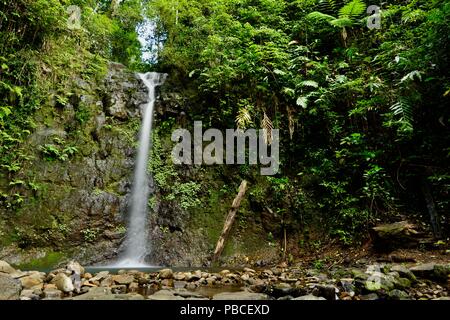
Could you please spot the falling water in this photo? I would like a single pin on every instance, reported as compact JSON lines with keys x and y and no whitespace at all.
{"x":136,"y":242}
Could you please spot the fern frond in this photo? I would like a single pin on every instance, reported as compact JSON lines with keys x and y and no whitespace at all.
{"x":303,"y":102}
{"x":327,"y":5}
{"x":267,"y":126}
{"x":243,"y":119}
{"x":319,"y":16}
{"x":352,"y":9}
{"x":405,"y":110}
{"x":342,"y":22}
{"x":410,"y":76}
{"x":309,"y":83}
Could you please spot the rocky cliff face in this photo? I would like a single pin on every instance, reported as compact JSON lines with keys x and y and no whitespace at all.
{"x":77,"y":181}
{"x":82,"y":162}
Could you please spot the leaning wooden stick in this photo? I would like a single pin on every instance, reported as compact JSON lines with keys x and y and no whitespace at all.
{"x":229,"y":221}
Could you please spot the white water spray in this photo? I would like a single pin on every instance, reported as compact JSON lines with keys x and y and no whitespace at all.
{"x":136,"y":242}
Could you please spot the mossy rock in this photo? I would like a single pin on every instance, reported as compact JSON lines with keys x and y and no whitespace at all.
{"x":50,"y":260}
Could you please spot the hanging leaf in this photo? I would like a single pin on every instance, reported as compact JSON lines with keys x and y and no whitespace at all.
{"x":303,"y":102}
{"x":267,"y":126}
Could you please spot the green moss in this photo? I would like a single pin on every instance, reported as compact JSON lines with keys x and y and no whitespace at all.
{"x":50,"y":260}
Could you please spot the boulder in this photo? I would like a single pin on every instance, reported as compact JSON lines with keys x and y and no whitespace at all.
{"x":432,"y":271}
{"x":223,"y":273}
{"x":402,"y":283}
{"x":165,"y":295}
{"x":6,"y":268}
{"x":9,"y":287}
{"x":379,"y":281}
{"x":371,"y":296}
{"x":166,"y":274}
{"x":398,"y":295}
{"x":326,"y":291}
{"x":28,"y":295}
{"x":123,"y":279}
{"x":310,"y":297}
{"x":107,"y":281}
{"x":33,"y":280}
{"x":75,"y":267}
{"x":53,"y":294}
{"x":395,"y":235}
{"x":282,"y":289}
{"x":133,"y":287}
{"x":248,"y":270}
{"x":187,"y":294}
{"x":76,"y":280}
{"x":63,"y":283}
{"x":242,"y":295}
{"x":94,"y":293}
{"x":348,"y":285}
{"x":106,"y":294}
{"x":404,"y":272}
{"x":245,"y":277}
{"x":99,"y":276}
{"x":179,"y":276}
{"x":119,"y":289}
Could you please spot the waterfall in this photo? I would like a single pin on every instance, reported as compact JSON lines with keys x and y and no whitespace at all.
{"x":136,"y":242}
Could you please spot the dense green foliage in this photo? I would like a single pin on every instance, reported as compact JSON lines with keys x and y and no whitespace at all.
{"x":47,"y":56}
{"x":363,"y":112}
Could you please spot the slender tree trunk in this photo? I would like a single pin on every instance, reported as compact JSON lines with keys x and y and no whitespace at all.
{"x":229,"y":221}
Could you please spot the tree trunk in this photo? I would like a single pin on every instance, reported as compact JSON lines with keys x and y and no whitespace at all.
{"x":229,"y":221}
